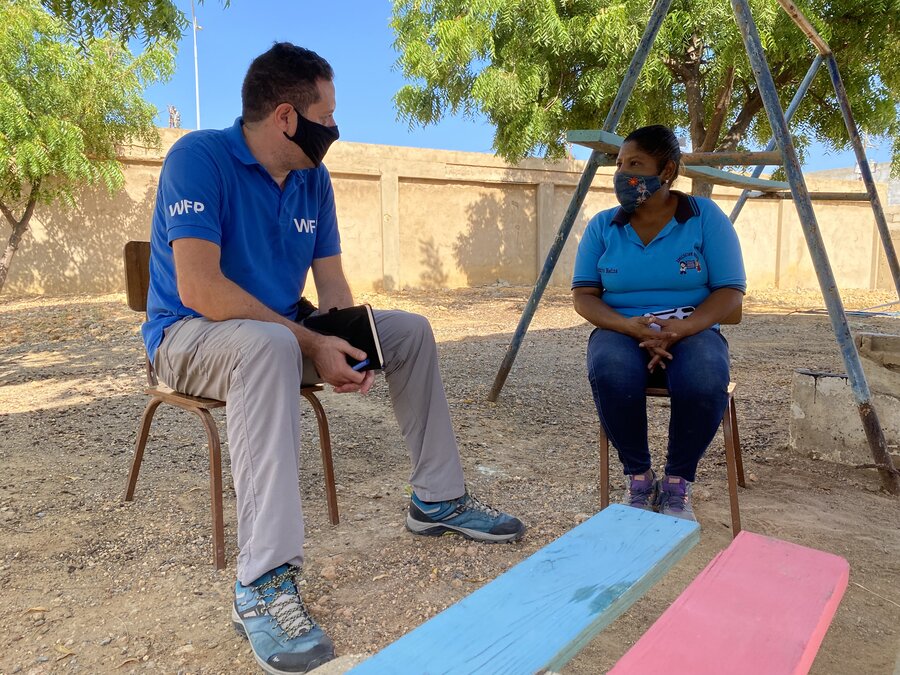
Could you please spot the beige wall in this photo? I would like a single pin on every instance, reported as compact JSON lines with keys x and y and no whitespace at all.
{"x":430,"y":218}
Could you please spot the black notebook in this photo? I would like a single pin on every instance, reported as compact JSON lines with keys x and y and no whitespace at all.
{"x":356,"y":325}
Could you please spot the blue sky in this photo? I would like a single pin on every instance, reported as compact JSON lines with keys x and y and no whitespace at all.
{"x":355,"y":37}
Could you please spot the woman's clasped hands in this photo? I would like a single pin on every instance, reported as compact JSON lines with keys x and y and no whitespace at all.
{"x":657,"y":336}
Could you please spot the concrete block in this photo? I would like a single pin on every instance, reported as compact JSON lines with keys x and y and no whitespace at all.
{"x":880,"y":356}
{"x":825,"y":420}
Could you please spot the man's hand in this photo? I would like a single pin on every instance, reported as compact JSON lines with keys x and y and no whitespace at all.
{"x":368,"y":381}
{"x":329,"y":354}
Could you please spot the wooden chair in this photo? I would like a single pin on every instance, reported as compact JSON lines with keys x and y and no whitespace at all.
{"x":733,"y":462}
{"x":137,"y":283}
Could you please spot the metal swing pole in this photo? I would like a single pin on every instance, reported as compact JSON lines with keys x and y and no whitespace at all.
{"x":660,"y":9}
{"x":874,"y":433}
{"x":865,"y":171}
{"x":852,"y":130}
{"x":789,"y":113}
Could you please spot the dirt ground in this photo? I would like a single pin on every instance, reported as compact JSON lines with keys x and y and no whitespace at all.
{"x":91,"y":584}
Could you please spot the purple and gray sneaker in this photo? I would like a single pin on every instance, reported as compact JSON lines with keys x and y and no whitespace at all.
{"x":642,"y":490}
{"x":675,"y":497}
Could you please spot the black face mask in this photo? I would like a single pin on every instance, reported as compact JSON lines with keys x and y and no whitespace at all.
{"x":314,"y":139}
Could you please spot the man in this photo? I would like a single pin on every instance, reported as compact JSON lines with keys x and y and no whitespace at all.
{"x":241,"y":216}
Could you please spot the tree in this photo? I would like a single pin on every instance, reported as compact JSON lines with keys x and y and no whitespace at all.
{"x":537,"y":68}
{"x":64,"y":110}
{"x":147,"y":20}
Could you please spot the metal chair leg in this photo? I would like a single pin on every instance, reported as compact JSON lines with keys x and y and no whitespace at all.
{"x":140,"y":444}
{"x":215,"y":485}
{"x":327,"y":463}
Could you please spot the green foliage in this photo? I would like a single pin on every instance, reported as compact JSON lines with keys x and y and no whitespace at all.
{"x":149,"y":20}
{"x":537,"y":68}
{"x":64,"y":109}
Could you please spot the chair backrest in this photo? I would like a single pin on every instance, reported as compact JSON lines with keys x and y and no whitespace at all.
{"x":137,"y":274}
{"x":137,"y":284}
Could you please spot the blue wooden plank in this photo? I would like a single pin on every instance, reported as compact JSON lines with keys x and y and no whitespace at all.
{"x":737,"y":180}
{"x":597,"y":139}
{"x":544,"y":610}
{"x":605,"y":141}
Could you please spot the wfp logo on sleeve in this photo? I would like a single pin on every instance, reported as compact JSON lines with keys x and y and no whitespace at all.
{"x":305,"y":225}
{"x":185,"y":206}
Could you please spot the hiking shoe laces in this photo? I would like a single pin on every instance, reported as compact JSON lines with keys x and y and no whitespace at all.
{"x":466,"y":515}
{"x":287,"y":609}
{"x":476,"y":504}
{"x":283,"y":636}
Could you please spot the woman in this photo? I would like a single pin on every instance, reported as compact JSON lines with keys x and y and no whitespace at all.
{"x":678,"y":256}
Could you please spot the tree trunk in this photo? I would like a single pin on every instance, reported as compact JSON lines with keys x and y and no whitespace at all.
{"x":19,"y":228}
{"x":701,"y":188}
{"x":690,"y":73}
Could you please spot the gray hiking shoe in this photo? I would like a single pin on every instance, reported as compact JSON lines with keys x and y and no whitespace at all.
{"x":642,"y":490}
{"x":466,"y":515}
{"x":675,"y":497}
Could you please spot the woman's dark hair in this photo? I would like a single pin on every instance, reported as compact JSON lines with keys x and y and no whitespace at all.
{"x":284,"y":74}
{"x":659,"y":142}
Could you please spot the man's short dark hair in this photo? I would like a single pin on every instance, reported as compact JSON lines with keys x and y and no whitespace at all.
{"x":284,"y":74}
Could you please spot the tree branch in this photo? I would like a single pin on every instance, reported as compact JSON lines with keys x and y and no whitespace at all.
{"x":4,"y":209}
{"x":719,"y":112}
{"x":737,"y":130}
{"x":693,"y":93}
{"x":752,"y":105}
{"x":19,"y":229}
{"x":675,"y":66}
{"x":32,"y":201}
{"x":29,"y":207}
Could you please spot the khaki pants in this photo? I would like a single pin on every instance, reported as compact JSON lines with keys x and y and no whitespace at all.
{"x":257,"y":368}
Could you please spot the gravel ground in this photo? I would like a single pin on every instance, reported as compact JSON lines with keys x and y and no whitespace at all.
{"x":91,"y":584}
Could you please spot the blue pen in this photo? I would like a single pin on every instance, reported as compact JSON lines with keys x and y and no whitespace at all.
{"x":362,"y":364}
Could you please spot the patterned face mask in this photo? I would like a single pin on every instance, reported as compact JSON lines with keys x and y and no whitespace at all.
{"x":633,"y":190}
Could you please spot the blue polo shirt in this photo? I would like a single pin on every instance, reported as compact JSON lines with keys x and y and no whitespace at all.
{"x":212,"y":187}
{"x":696,"y":253}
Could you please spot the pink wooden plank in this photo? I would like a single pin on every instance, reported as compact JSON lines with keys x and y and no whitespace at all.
{"x":761,"y":606}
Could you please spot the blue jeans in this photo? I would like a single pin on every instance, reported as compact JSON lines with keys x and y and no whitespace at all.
{"x":697,"y":378}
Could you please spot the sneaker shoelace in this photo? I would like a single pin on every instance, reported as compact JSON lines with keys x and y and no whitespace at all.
{"x":473,"y":503}
{"x":638,"y":496}
{"x":677,"y":501}
{"x":287,"y":608}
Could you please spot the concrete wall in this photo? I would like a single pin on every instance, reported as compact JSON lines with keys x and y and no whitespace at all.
{"x":881,"y":172}
{"x":430,"y":218}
